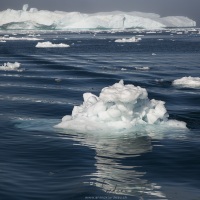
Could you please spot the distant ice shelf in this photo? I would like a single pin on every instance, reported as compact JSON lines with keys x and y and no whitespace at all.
{"x":57,"y":20}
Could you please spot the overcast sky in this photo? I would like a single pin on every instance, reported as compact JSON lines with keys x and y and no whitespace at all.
{"x":189,"y":8}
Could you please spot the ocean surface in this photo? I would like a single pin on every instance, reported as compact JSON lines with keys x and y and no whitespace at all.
{"x":40,"y":162}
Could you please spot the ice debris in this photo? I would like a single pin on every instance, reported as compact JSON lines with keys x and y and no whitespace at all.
{"x":10,"y":66}
{"x":142,"y":68}
{"x":50,"y":45}
{"x":187,"y":82}
{"x":132,"y":39}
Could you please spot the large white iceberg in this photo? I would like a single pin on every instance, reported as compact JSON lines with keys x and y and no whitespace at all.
{"x":119,"y":108}
{"x":43,"y":19}
{"x":187,"y":82}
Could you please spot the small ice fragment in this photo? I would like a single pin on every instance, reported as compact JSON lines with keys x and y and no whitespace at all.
{"x":50,"y":45}
{"x":57,"y":79}
{"x":10,"y":66}
{"x":132,"y":39}
{"x":187,"y":82}
{"x":142,"y":68}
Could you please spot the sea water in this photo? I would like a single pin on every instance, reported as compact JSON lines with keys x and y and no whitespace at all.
{"x":38,"y":161}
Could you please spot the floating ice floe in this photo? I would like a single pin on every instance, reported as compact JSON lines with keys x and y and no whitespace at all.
{"x":10,"y":66}
{"x":2,"y":41}
{"x":119,"y":108}
{"x":187,"y":82}
{"x":50,"y":45}
{"x":19,"y":38}
{"x":132,"y":39}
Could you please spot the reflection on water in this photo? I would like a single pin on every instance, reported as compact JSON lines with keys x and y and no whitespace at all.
{"x":111,"y":175}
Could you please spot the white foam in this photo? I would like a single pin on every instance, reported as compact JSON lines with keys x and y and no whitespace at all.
{"x":187,"y":82}
{"x":119,"y":108}
{"x":132,"y":39}
{"x":50,"y":45}
{"x":10,"y":66}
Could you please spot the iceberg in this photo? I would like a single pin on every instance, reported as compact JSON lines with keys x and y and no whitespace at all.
{"x":119,"y":108}
{"x":10,"y":66}
{"x":44,"y":19}
{"x":50,"y":45}
{"x":187,"y":82}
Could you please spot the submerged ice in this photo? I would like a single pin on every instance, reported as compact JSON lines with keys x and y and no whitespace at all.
{"x":119,"y":108}
{"x":43,"y":19}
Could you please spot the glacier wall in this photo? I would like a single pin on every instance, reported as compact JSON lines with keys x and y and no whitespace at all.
{"x":42,"y":19}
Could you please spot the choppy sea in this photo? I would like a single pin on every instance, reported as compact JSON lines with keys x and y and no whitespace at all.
{"x":40,"y":162}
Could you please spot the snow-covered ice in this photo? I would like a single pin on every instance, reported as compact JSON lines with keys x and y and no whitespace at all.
{"x":50,"y":45}
{"x":187,"y":82}
{"x":10,"y":66}
{"x":119,"y":108}
{"x":132,"y":39}
{"x":44,"y":19}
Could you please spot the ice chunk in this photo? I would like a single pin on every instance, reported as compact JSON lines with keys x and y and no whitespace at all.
{"x":142,"y":68}
{"x":187,"y":82}
{"x":119,"y":108}
{"x":50,"y":45}
{"x":132,"y":39}
{"x":10,"y":66}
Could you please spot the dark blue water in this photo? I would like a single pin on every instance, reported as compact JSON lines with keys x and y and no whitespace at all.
{"x":38,"y":162}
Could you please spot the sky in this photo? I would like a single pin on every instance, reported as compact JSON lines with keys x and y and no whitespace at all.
{"x":189,"y":8}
